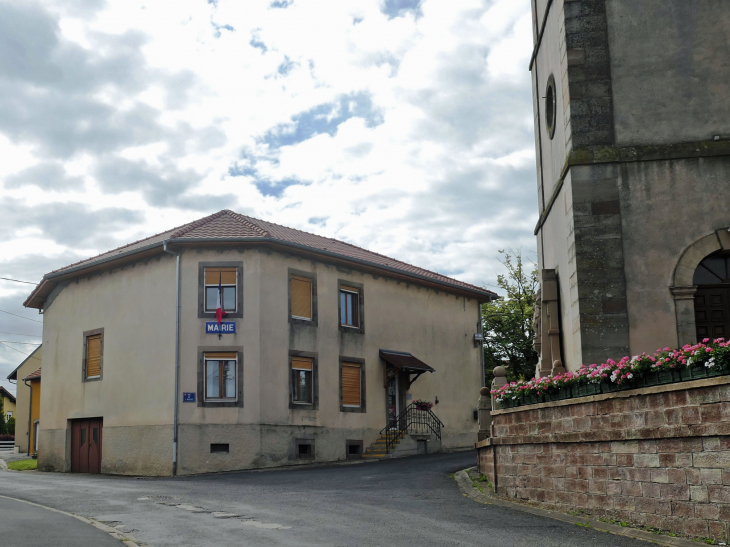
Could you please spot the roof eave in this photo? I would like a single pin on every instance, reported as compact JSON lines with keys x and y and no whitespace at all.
{"x":481,"y":295}
{"x":37,"y":298}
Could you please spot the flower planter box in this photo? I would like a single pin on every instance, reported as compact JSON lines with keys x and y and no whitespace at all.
{"x":509,"y":403}
{"x":584,"y":390}
{"x":610,"y":387}
{"x":532,"y":399}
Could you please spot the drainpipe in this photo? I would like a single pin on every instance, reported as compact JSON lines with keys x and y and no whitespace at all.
{"x":30,"y":411}
{"x":480,"y":327}
{"x":177,"y":355}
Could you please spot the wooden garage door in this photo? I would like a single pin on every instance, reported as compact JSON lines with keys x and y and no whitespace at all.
{"x":712,"y":312}
{"x":86,"y":446}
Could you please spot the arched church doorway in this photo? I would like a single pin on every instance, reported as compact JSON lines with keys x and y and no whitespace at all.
{"x":712,"y":299}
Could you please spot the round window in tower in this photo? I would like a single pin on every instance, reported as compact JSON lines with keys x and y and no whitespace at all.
{"x":550,"y":106}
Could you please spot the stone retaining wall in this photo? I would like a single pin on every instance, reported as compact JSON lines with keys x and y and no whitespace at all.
{"x":657,"y":456}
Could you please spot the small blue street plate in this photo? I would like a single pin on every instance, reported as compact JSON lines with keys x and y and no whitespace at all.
{"x":188,"y":397}
{"x":226,"y":327}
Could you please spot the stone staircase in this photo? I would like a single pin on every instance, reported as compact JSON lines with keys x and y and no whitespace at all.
{"x":377,"y":449}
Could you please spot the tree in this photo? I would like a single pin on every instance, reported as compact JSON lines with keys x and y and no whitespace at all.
{"x":507,"y":322}
{"x":10,"y":426}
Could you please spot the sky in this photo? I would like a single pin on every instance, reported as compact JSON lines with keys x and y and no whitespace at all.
{"x":401,"y":126}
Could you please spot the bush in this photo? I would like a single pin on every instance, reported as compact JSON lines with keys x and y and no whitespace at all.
{"x":7,"y":437}
{"x":11,"y":425}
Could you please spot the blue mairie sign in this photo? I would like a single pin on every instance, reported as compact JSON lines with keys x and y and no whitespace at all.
{"x":188,"y":397}
{"x":226,"y":327}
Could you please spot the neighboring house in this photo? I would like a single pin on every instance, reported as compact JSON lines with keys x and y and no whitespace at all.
{"x":8,"y":403}
{"x":322,"y":345}
{"x":23,"y":395}
{"x":33,"y":381}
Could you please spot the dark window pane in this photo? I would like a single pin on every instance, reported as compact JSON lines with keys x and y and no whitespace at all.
{"x":229,"y":376}
{"x":302,"y":386}
{"x":343,"y":308}
{"x":212,"y":382}
{"x":211,"y":298}
{"x":229,"y":299}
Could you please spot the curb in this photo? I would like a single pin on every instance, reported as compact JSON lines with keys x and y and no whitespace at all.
{"x":113,"y":532}
{"x":469,"y":491}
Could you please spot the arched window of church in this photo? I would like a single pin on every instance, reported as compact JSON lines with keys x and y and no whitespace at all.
{"x":712,"y":299}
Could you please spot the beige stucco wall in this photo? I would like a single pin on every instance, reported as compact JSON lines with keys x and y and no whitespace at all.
{"x":436,"y":327}
{"x":136,"y":308}
{"x":22,"y":399}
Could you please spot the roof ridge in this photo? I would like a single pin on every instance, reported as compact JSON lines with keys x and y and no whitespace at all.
{"x":246,"y":220}
{"x":355,"y":247}
{"x":185,"y":228}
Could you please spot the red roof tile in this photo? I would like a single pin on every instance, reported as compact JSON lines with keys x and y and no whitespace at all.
{"x":35,"y":374}
{"x":227,"y":224}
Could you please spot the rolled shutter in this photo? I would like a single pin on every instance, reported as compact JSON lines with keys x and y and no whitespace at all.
{"x":301,"y":297}
{"x":227,"y":276}
{"x":350,"y":384}
{"x":300,"y":363}
{"x":93,"y":356}
{"x":222,"y":356}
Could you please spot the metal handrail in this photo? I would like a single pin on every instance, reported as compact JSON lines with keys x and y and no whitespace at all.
{"x":410,"y":420}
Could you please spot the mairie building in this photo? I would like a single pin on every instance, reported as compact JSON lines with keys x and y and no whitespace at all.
{"x":323,"y":350}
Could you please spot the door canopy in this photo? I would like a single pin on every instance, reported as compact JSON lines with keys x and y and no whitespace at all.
{"x":400,"y":361}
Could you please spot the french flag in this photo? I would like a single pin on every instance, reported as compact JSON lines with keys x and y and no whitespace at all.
{"x":219,"y":313}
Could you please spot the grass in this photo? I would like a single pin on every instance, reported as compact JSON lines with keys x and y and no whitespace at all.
{"x":23,"y":465}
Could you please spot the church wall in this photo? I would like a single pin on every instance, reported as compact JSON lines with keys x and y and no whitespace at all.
{"x":670,"y":69}
{"x":665,"y":207}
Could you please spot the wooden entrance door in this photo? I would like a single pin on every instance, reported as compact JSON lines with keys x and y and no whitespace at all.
{"x":712,"y":312}
{"x":86,"y":446}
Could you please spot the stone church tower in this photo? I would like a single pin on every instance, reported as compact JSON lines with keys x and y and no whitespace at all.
{"x":632,"y":126}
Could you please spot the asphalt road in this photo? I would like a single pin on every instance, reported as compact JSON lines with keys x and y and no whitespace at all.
{"x":20,"y":526}
{"x":409,"y":501}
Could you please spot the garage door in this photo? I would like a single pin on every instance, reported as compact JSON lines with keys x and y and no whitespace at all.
{"x":86,"y":446}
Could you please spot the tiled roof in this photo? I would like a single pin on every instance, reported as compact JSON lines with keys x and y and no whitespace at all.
{"x":35,"y":374}
{"x":227,"y":224}
{"x":5,"y":393}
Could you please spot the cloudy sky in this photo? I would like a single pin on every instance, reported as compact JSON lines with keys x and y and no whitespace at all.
{"x":402,"y":126}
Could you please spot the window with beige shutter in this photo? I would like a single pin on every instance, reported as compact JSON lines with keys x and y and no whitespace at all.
{"x":227,"y":280}
{"x":302,"y":369}
{"x":93,"y":356}
{"x":220,"y":376}
{"x":301,"y":297}
{"x":351,"y":385}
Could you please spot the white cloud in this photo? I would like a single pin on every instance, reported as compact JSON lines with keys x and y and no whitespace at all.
{"x":408,"y":133}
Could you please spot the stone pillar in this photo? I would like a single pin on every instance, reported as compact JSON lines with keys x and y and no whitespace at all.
{"x":500,"y":379}
{"x":551,"y":361}
{"x":684,"y":305}
{"x":485,"y":416}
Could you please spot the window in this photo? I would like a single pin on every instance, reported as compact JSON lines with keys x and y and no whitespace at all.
{"x":304,"y":449}
{"x":9,"y":415}
{"x":301,"y":297}
{"x":351,"y":385}
{"x":349,"y":306}
{"x":229,"y":274}
{"x":93,"y":354}
{"x":302,"y":369}
{"x":550,"y":106}
{"x":219,"y":448}
{"x":225,"y":280}
{"x":353,"y":449}
{"x":220,"y":376}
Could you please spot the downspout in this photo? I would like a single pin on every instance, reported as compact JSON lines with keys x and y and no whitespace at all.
{"x":177,"y":356}
{"x":30,"y":411}
{"x":480,"y":323}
